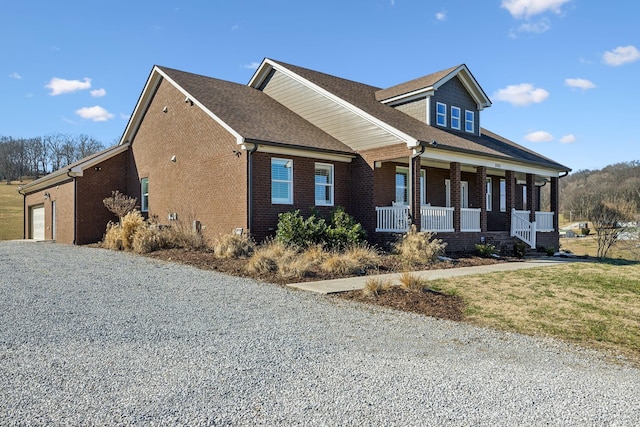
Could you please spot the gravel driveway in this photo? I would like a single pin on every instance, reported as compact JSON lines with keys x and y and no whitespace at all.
{"x":89,"y":336}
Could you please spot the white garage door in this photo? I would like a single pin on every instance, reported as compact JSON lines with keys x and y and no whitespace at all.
{"x":37,"y":223}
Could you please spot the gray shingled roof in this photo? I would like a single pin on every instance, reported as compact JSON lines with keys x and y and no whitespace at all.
{"x":413,"y":85}
{"x":363,"y":97}
{"x":253,"y":114}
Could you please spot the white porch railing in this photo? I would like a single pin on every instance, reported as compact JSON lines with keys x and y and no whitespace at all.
{"x":470,"y":219}
{"x":522,"y":228}
{"x":544,"y":221}
{"x":437,"y":219}
{"x":392,"y":219}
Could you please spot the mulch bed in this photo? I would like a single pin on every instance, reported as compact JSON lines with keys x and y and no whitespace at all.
{"x":427,"y":302}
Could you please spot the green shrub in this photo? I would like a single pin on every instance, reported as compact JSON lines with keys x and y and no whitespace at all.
{"x":551,"y":251}
{"x":294,"y":230}
{"x":485,"y":250}
{"x":585,"y":231}
{"x":342,"y":230}
{"x":519,"y":249}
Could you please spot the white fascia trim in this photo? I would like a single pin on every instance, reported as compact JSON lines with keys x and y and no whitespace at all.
{"x":286,"y":151}
{"x":407,"y":97}
{"x":499,"y":164}
{"x":411,"y":142}
{"x":239,"y":138}
{"x":66,"y":173}
{"x":143,"y":102}
{"x":258,"y":77}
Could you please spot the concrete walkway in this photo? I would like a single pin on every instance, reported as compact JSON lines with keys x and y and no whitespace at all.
{"x":353,"y":283}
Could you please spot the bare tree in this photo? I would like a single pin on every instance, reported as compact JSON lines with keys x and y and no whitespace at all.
{"x":607,"y":219}
{"x":120,"y":204}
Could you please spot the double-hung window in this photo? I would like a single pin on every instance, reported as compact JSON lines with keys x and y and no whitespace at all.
{"x":324,"y":184}
{"x":469,"y":121}
{"x":144,"y":191}
{"x":402,"y":186}
{"x":281,"y":181}
{"x":441,"y":114}
{"x":489,"y":194}
{"x":455,"y":118}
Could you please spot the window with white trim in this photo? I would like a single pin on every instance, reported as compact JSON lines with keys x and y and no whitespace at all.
{"x":503,"y":195}
{"x":469,"y":121}
{"x":455,"y":118}
{"x":441,"y":114}
{"x":281,"y":181}
{"x":402,"y":186}
{"x":144,"y":191}
{"x":489,"y":194}
{"x":464,"y":193}
{"x":324,"y":184}
{"x":524,"y":197}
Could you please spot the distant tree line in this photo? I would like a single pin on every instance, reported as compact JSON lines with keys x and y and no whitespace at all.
{"x":36,"y":157}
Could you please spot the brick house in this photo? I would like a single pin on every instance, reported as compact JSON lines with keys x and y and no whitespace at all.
{"x":233,"y":156}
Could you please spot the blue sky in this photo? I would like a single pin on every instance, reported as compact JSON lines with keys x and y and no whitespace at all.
{"x":562,"y":74}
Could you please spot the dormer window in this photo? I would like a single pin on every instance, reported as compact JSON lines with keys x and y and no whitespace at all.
{"x":469,"y":121}
{"x":441,"y":114}
{"x":455,"y":118}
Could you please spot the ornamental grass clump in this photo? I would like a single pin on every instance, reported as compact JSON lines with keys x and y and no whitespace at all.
{"x":416,"y":247}
{"x":233,"y":246}
{"x":411,"y":282}
{"x":375,"y":286}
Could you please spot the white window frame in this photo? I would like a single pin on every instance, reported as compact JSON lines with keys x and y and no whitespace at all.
{"x":455,"y":117}
{"x":423,"y":187}
{"x":441,"y":118}
{"x":287,"y":163}
{"x":489,"y":194}
{"x":331,"y":178}
{"x":144,"y":196}
{"x":469,"y":124}
{"x":503,"y":195}
{"x":464,"y":193}
{"x":524,"y":197}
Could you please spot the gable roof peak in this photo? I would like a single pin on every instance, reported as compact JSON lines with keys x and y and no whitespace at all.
{"x":430,"y":83}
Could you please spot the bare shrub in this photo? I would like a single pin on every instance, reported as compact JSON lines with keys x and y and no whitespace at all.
{"x":232,"y":246}
{"x":419,"y":247}
{"x":375,"y":286}
{"x":292,"y":265}
{"x":315,"y":255}
{"x":120,"y":204}
{"x":411,"y":282}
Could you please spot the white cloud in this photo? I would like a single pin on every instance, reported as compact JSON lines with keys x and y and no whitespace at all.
{"x":521,"y":95}
{"x":59,"y":86}
{"x":534,"y":27}
{"x":527,"y":8}
{"x":621,"y":55}
{"x":568,"y":139}
{"x":441,"y":16}
{"x":97,"y":93}
{"x":252,"y":66}
{"x":95,"y":113}
{"x":15,"y":75}
{"x":235,"y":27}
{"x":539,"y":136}
{"x":125,"y":116}
{"x":579,"y":83}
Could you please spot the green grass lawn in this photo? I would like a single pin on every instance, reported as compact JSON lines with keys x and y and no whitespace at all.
{"x":10,"y":211}
{"x":593,"y":304}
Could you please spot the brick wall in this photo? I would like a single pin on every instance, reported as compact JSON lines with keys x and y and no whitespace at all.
{"x":265,"y":213}
{"x":208,"y":179}
{"x":93,"y":187}
{"x":62,"y":194}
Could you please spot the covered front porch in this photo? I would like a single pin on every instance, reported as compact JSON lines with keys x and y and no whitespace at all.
{"x":453,"y":197}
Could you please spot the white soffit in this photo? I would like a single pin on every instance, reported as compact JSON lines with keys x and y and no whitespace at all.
{"x":340,"y":119}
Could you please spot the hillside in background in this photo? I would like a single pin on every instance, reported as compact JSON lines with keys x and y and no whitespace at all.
{"x":619,"y":182}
